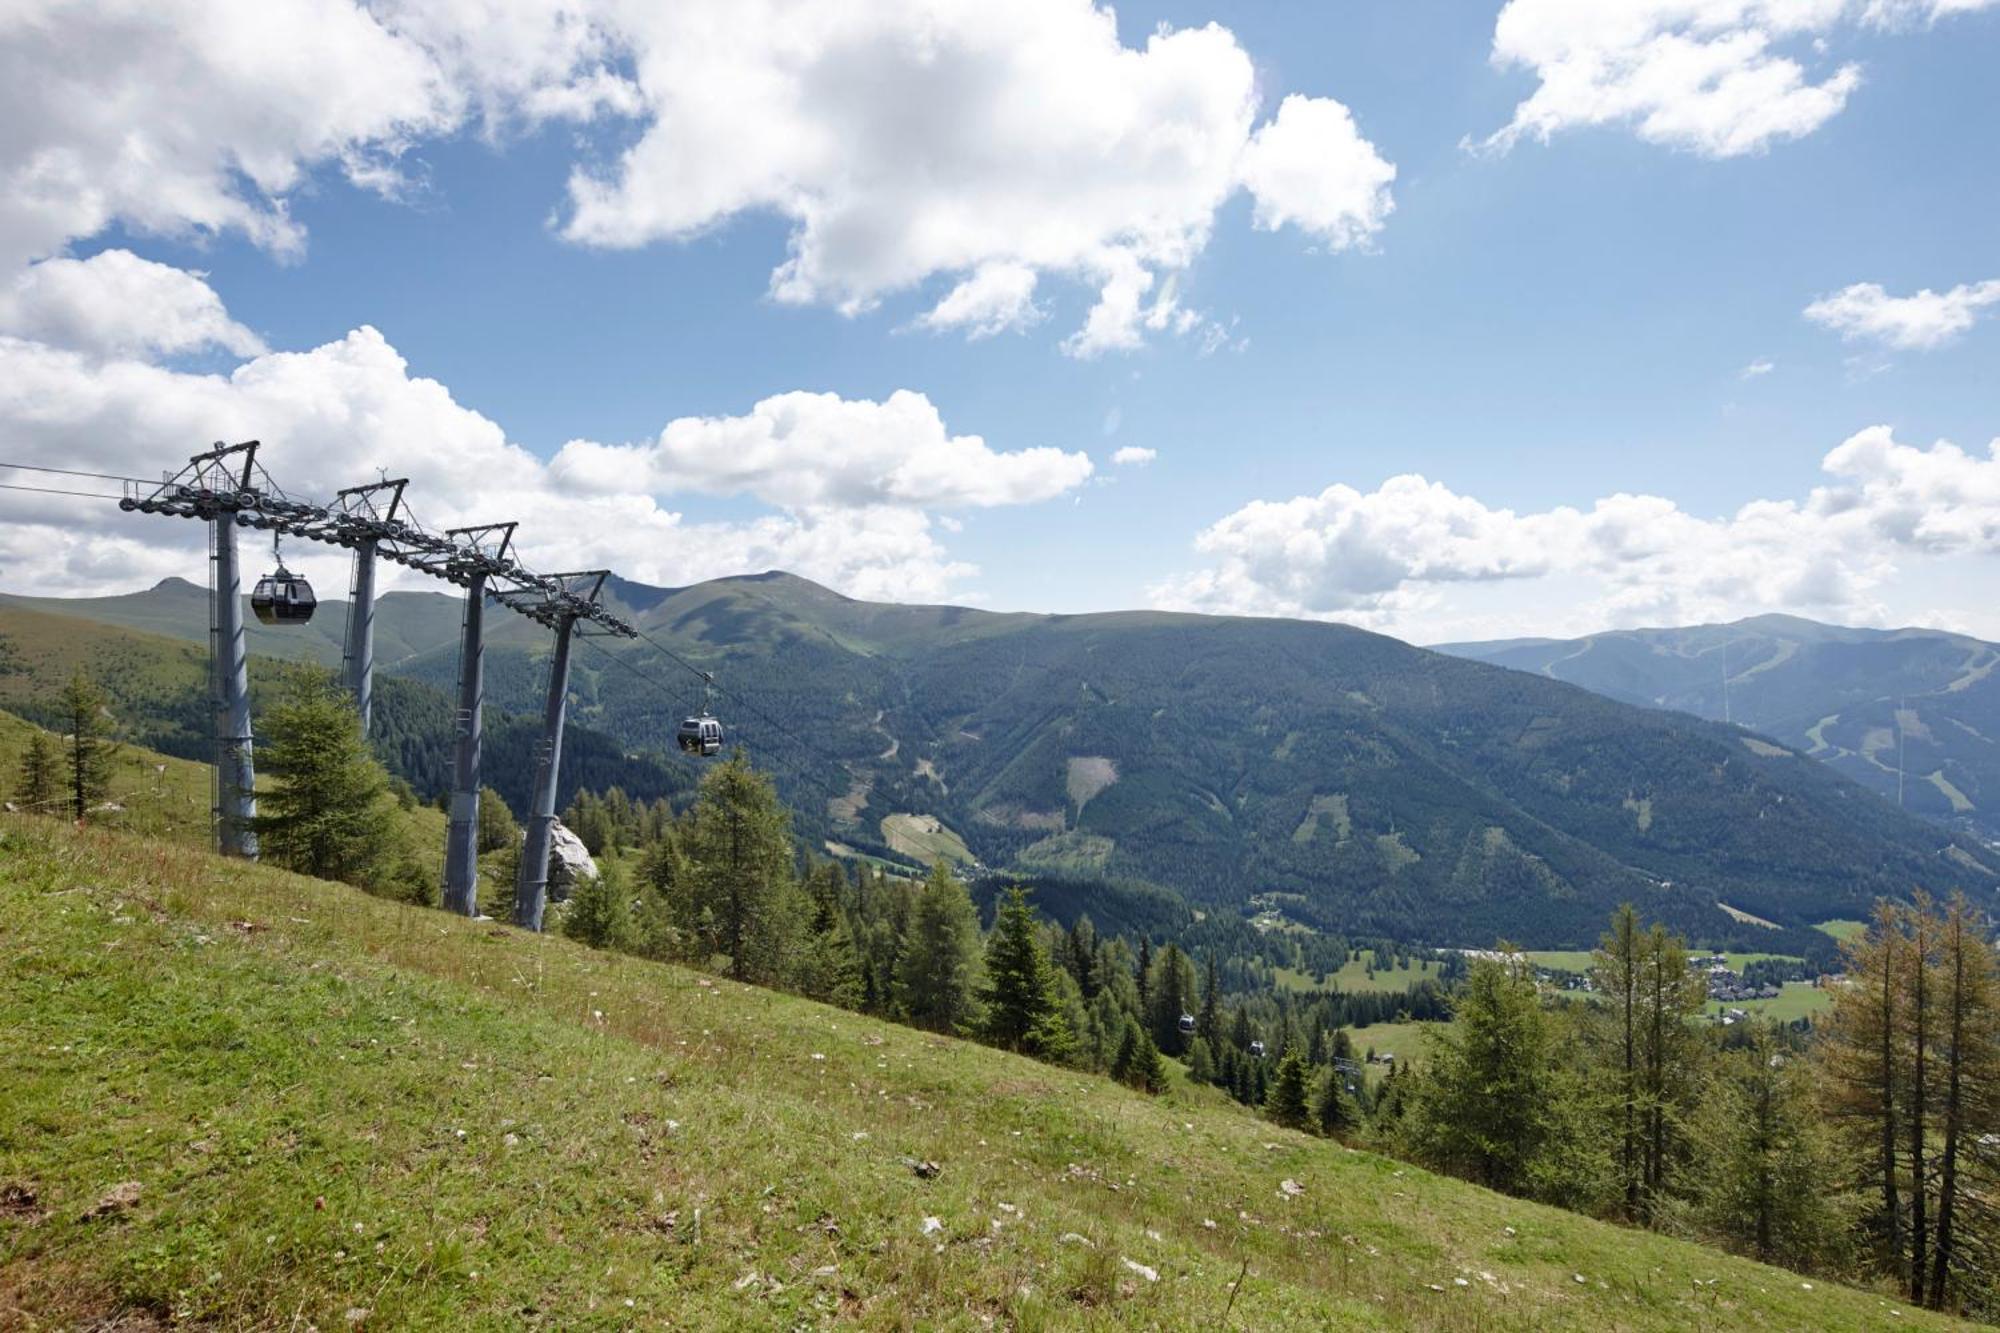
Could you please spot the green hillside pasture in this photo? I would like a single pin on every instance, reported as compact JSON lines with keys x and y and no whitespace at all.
{"x":244,"y":1099}
{"x":1355,"y":976}
{"x":159,"y":796}
{"x":1796,"y":1000}
{"x":150,"y":793}
{"x":1582,"y":960}
{"x":1843,"y":930}
{"x":923,"y":839}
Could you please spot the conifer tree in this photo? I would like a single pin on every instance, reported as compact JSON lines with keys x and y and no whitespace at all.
{"x":1201,"y":1060}
{"x":1172,"y":990}
{"x":1287,"y":1100}
{"x":831,"y":967}
{"x":1138,"y":1062}
{"x":1770,"y":1166}
{"x":1208,"y":1022}
{"x":329,"y":813}
{"x":1080,"y":955}
{"x":1863,"y":1057}
{"x":1672,"y":995}
{"x":38,"y":786}
{"x":599,"y":910}
{"x":1616,"y":966}
{"x":938,"y":980}
{"x":1969,"y":1038}
{"x":497,"y":829}
{"x":88,"y":745}
{"x":1481,"y":1107}
{"x":1019,"y":994}
{"x":741,"y":898}
{"x":1335,"y":1112}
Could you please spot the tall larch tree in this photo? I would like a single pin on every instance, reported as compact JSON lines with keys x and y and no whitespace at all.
{"x":1617,"y":979}
{"x":1969,"y":1045}
{"x":938,"y":976}
{"x":741,"y":893}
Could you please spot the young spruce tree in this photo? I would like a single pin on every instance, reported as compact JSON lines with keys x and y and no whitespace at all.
{"x":88,"y":744}
{"x":1286,"y":1099}
{"x":1023,"y":1006}
{"x":38,"y":787}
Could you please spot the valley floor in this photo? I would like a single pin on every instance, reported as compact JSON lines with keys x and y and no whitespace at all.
{"x":242,"y":1099}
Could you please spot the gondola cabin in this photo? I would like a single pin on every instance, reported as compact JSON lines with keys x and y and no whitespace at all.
{"x":700,"y":735}
{"x":1187,"y":1025}
{"x":283,"y":598}
{"x":1257,"y":1049}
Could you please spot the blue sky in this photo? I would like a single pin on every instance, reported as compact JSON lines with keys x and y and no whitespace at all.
{"x":1544,"y":324}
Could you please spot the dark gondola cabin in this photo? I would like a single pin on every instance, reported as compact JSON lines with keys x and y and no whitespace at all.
{"x":701,"y":735}
{"x":283,"y":598}
{"x":1187,"y":1025}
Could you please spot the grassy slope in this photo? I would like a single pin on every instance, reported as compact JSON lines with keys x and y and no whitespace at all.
{"x":1355,"y":975}
{"x":508,"y":1130}
{"x":159,"y":796}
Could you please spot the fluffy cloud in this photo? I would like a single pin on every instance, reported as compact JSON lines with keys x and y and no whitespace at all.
{"x":852,"y":484}
{"x":197,"y":116}
{"x":1134,"y":455}
{"x":1716,"y":77}
{"x":803,"y":450}
{"x":1310,"y":167}
{"x":1378,"y":557}
{"x":905,"y":142}
{"x":116,"y":303}
{"x":950,"y":138}
{"x":1914,"y":323}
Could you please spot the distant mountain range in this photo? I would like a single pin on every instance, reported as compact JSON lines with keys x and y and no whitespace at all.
{"x":1911,"y":714}
{"x":1307,"y":774}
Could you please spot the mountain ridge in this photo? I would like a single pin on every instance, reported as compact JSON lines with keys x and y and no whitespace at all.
{"x":1849,"y":696}
{"x":1365,"y":785}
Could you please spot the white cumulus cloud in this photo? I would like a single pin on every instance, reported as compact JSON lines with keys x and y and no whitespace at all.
{"x":1721,"y":78}
{"x":906,"y":143}
{"x":986,"y":144}
{"x":804,"y":449}
{"x":116,"y":303}
{"x":851,"y":487}
{"x":1915,"y":323}
{"x":197,"y":116}
{"x":1134,"y":455}
{"x":1309,"y":167}
{"x":1383,"y":556}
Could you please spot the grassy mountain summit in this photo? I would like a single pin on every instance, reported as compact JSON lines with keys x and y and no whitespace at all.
{"x":243,"y":1098}
{"x":1367,"y":785}
{"x":1912,"y":714}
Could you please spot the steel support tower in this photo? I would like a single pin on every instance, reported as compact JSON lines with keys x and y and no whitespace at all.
{"x":366,"y":523}
{"x":568,"y":611}
{"x":461,"y":847}
{"x":235,"y":773}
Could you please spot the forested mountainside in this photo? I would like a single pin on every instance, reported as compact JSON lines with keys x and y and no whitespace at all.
{"x":1911,"y":714}
{"x":1317,"y":772}
{"x":157,"y":687}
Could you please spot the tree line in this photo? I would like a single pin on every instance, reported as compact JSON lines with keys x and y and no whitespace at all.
{"x":1865,"y":1150}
